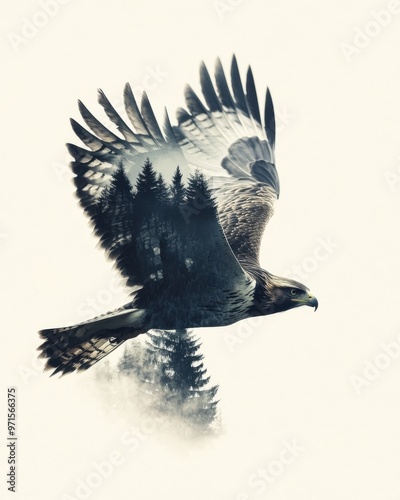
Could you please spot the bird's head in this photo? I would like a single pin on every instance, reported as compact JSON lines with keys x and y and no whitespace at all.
{"x":289,"y":294}
{"x":284,"y":294}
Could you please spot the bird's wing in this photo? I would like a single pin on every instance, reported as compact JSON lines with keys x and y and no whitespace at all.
{"x":94,"y":165}
{"x":227,"y":138}
{"x":156,"y":247}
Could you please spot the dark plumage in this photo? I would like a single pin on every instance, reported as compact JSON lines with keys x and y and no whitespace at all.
{"x":190,"y":253}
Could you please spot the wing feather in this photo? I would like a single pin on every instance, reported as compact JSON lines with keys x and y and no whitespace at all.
{"x":90,"y":140}
{"x":208,"y":90}
{"x":225,"y":96}
{"x":237,"y":87}
{"x":96,"y":126}
{"x":251,"y":98}
{"x":150,"y":120}
{"x":132,"y":110}
{"x":269,"y":119}
{"x":241,"y":100}
{"x":116,"y":119}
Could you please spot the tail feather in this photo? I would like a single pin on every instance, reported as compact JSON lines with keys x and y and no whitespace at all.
{"x":78,"y":347}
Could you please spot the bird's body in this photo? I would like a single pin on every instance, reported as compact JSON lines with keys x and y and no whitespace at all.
{"x":189,"y":252}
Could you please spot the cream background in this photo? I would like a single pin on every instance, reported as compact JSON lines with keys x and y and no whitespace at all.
{"x":290,"y":379}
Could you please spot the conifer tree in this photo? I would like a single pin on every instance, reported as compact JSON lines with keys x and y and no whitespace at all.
{"x":162,"y":192}
{"x":119,"y":193}
{"x":181,"y":379}
{"x":146,"y":184}
{"x":115,"y":208}
{"x":120,"y":182}
{"x":177,"y":188}
{"x":199,"y":199}
{"x":198,"y":193}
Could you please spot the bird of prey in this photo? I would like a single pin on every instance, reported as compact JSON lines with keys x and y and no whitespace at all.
{"x":187,"y":248}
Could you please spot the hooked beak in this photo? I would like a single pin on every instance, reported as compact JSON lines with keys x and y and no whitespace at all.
{"x":307,"y":299}
{"x":312,"y":302}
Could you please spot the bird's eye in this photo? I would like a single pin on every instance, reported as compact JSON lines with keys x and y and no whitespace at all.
{"x":293,"y":291}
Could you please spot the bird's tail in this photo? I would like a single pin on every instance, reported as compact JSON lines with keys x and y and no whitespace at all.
{"x":80,"y":346}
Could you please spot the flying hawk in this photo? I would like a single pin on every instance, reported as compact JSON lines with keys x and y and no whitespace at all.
{"x":188,"y":248}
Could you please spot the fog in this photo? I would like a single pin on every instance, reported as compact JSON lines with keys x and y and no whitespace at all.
{"x":309,"y":402}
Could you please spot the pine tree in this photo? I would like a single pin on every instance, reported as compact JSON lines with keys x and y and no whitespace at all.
{"x":115,"y":208}
{"x":118,"y":194}
{"x":177,"y":188}
{"x":146,"y":184}
{"x":198,"y":194}
{"x":152,"y":199}
{"x":162,"y":192}
{"x":199,"y":199}
{"x":120,"y":182}
{"x":169,"y":373}
{"x":181,"y":378}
